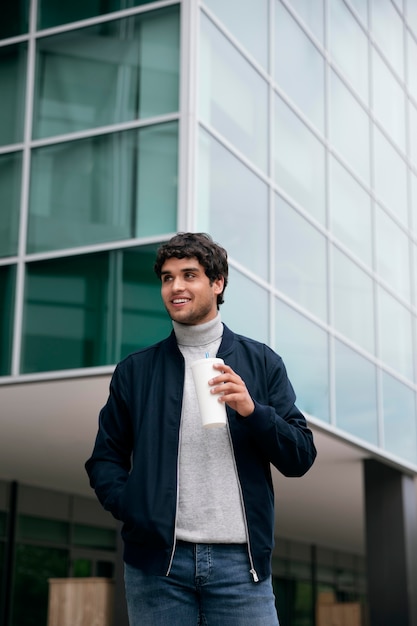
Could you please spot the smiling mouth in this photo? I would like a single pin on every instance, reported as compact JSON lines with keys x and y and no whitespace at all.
{"x":180,"y":301}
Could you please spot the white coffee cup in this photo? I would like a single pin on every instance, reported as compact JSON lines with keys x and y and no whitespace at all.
{"x":213,"y":412}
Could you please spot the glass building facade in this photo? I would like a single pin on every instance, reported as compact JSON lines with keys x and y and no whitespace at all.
{"x":286,"y":129}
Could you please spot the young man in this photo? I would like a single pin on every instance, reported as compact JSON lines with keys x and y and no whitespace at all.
{"x":197,"y":504}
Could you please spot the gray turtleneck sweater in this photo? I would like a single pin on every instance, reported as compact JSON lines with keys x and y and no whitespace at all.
{"x":209,"y":501}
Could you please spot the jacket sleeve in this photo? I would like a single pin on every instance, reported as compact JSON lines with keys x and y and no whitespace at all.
{"x":109,"y":465}
{"x":278,"y":426}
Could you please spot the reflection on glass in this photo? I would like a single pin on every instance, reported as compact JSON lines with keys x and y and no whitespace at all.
{"x":233,"y":96}
{"x":90,"y":310}
{"x":300,"y":260}
{"x":349,"y":128}
{"x":350,"y":212}
{"x":353,"y":301}
{"x":113,"y":72}
{"x":414,"y":252}
{"x":299,"y":67}
{"x":388,"y":101}
{"x":304,"y":348}
{"x":226,"y":209}
{"x":10,"y":183}
{"x":52,"y":13}
{"x":400,"y":418}
{"x":414,"y":203}
{"x":387,"y":28}
{"x":66,"y":316}
{"x":13,"y":82}
{"x":349,"y":46}
{"x":7,"y":292}
{"x":104,"y":188}
{"x":251,"y":29}
{"x":299,"y":166}
{"x":355,"y":394}
{"x":235,"y":311}
{"x":390,"y":177}
{"x":395,"y":334}
{"x":412,"y":64}
{"x":14,"y":18}
{"x":413,"y":133}
{"x":143,"y":319}
{"x":361,"y":7}
{"x":311,"y":14}
{"x":31,"y":581}
{"x":392,"y":254}
{"x":411,"y":12}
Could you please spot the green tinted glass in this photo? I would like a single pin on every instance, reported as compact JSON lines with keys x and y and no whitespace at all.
{"x":66,"y":314}
{"x":7,"y":290}
{"x":12,"y":81}
{"x":14,"y":18}
{"x":52,"y":13}
{"x":114,"y":72}
{"x":10,"y":179}
{"x":104,"y":188}
{"x":77,"y":314}
{"x":143,"y":317}
{"x":42,"y":529}
{"x":94,"y":537}
{"x":34,"y":565}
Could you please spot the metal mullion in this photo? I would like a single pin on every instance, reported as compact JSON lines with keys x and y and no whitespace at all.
{"x":24,"y":200}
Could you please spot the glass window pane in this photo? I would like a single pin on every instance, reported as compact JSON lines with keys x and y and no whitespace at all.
{"x":66,"y":319}
{"x":300,"y":260}
{"x":388,"y":101}
{"x":7,"y":292}
{"x":226,"y":209}
{"x":13,"y":83}
{"x":392,"y":254}
{"x":304,"y":348}
{"x":395,"y":334}
{"x":251,"y":29}
{"x":14,"y":18}
{"x":350,"y":212}
{"x":400,"y":418}
{"x":52,"y":13}
{"x":413,"y":133}
{"x":414,"y":202}
{"x":311,"y":14}
{"x":94,"y":537}
{"x":353,"y":301}
{"x":299,"y":67}
{"x":412,"y":64}
{"x":392,"y":188}
{"x":411,"y":7}
{"x":233,"y":96}
{"x":356,"y":395}
{"x":103,"y":188}
{"x":349,"y":128}
{"x":299,"y":161}
{"x":41,"y":529}
{"x":143,"y":317}
{"x":235,"y":311}
{"x":31,"y":581}
{"x":361,"y":7}
{"x":10,"y":184}
{"x":349,"y":47}
{"x":114,"y":72}
{"x":387,"y":28}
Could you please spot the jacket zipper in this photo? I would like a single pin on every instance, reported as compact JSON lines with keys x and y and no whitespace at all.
{"x":176,"y":507}
{"x":252,"y":566}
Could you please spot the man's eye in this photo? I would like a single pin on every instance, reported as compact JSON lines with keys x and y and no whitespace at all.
{"x":167,"y":278}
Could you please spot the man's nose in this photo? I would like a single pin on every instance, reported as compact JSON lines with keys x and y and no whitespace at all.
{"x":178,"y":283}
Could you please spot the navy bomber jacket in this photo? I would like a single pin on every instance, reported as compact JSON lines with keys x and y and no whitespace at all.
{"x":133,"y":467}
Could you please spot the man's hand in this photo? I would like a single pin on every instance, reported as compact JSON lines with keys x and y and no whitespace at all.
{"x":232,"y":390}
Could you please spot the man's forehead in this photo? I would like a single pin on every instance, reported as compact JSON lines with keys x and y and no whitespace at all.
{"x":184,"y":264}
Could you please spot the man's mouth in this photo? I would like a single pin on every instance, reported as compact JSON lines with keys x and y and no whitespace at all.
{"x":180,"y":300}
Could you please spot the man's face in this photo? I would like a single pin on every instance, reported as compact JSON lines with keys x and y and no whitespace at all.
{"x":187,"y":293}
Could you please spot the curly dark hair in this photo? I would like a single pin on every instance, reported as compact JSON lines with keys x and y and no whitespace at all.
{"x":200,"y":246}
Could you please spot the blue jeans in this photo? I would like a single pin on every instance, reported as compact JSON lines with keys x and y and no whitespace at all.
{"x":208,"y":585}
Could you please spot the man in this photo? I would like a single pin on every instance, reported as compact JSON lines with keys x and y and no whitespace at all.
{"x":197,"y":504}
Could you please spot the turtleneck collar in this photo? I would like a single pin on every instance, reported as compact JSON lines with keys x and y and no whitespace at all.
{"x":199,"y":334}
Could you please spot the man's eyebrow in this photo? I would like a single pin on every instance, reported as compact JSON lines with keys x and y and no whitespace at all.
{"x":184,"y":269}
